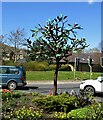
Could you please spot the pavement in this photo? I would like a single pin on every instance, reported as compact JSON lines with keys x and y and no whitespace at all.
{"x":52,"y":82}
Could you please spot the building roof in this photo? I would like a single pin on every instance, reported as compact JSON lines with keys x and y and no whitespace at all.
{"x":84,"y":57}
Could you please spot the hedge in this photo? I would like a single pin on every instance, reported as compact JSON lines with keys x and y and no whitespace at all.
{"x":38,"y":66}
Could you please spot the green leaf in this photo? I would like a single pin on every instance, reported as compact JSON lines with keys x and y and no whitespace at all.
{"x":57,"y":45}
{"x":47,"y":42}
{"x":29,"y":41}
{"x":33,"y":35}
{"x":61,"y":15}
{"x":58,"y":17}
{"x":69,"y":24}
{"x":64,"y":47}
{"x":49,"y":20}
{"x":32,"y":30}
{"x":55,"y":20}
{"x":41,"y":45}
{"x":58,"y":55}
{"x":75,"y":24}
{"x":37,"y":56}
{"x":65,"y":17}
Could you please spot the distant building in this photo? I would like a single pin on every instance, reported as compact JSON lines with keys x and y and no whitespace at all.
{"x":83,"y":61}
{"x":7,"y":53}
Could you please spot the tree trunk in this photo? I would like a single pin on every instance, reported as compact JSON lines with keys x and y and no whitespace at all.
{"x":55,"y":78}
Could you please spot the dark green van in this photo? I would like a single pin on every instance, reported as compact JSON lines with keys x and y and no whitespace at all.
{"x":12,"y":76}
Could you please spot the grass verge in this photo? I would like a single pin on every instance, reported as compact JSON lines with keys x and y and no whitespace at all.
{"x":62,"y":75}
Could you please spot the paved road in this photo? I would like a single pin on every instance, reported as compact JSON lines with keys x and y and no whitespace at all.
{"x":47,"y":87}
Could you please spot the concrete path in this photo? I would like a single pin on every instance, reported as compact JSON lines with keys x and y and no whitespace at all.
{"x":52,"y":82}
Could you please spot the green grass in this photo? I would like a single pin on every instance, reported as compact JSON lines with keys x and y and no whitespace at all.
{"x":62,"y":75}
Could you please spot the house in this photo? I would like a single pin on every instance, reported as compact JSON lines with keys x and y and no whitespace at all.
{"x":7,"y":53}
{"x":83,"y":61}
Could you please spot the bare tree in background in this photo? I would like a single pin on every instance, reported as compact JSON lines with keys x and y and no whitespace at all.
{"x":3,"y":46}
{"x":17,"y":40}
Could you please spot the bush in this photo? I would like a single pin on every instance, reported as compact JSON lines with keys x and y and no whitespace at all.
{"x":8,"y":94}
{"x":11,"y":63}
{"x":30,"y":66}
{"x":52,"y":67}
{"x":36,"y":66}
{"x":41,"y":67}
{"x":8,"y":62}
{"x":27,"y":114}
{"x":64,"y":68}
{"x":63,"y":102}
{"x":64,"y":107}
{"x":92,"y":112}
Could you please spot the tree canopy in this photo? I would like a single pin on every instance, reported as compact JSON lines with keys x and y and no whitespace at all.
{"x":57,"y":39}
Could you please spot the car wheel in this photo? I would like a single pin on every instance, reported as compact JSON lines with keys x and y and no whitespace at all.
{"x":89,"y":90}
{"x":12,"y":85}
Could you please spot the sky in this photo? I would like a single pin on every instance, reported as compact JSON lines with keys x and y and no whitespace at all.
{"x":27,"y":15}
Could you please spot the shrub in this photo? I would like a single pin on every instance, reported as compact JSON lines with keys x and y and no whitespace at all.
{"x":52,"y":67}
{"x":8,"y":94}
{"x":60,"y":115}
{"x":63,"y":107}
{"x":41,"y":67}
{"x":92,"y":112}
{"x":64,"y":68}
{"x":27,"y":114}
{"x":36,"y":66}
{"x":63,"y":102}
{"x":85,"y":100}
{"x":8,"y":62}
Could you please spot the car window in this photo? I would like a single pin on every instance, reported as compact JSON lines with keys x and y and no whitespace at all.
{"x":7,"y":70}
{"x":4,"y":70}
{"x":13,"y":71}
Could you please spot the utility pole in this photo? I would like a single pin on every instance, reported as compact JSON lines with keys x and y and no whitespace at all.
{"x":76,"y":66}
{"x":90,"y":65}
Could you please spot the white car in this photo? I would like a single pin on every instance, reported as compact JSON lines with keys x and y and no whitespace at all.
{"x":92,"y":86}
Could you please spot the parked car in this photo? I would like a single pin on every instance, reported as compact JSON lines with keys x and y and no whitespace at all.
{"x":12,"y":76}
{"x":92,"y":86}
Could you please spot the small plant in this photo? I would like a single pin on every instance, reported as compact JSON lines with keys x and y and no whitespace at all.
{"x":92,"y":112}
{"x":6,"y":94}
{"x":27,"y":114}
{"x":9,"y":94}
{"x":60,"y":115}
{"x":63,"y":102}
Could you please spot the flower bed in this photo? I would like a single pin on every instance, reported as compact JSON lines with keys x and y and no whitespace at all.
{"x":34,"y":106}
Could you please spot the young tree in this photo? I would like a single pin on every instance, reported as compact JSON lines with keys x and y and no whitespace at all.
{"x":57,"y":39}
{"x":17,"y":40}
